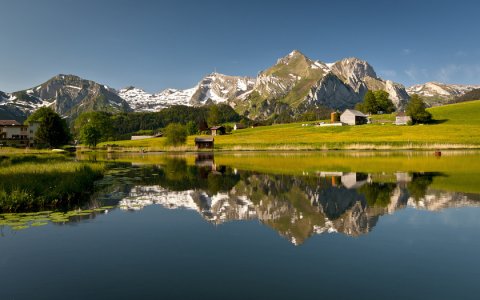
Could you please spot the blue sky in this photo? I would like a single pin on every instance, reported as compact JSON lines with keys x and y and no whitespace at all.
{"x":159,"y":44}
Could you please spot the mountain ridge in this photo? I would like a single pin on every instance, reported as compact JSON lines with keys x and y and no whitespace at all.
{"x":293,"y":85}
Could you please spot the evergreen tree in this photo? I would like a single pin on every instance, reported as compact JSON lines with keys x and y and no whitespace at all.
{"x":213,"y":116}
{"x":191,"y":128}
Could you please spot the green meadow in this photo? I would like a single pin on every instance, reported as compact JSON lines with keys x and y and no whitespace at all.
{"x":456,"y":126}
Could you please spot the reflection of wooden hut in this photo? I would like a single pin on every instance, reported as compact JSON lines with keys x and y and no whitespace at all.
{"x":217,"y":130}
{"x":354,"y":180}
{"x":204,"y":143}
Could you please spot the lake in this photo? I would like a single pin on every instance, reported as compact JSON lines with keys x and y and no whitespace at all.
{"x":327,"y":225}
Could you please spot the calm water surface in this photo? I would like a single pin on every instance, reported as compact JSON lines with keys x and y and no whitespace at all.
{"x":260,"y":226}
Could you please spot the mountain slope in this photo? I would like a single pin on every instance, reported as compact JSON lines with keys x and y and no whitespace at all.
{"x":298,"y":84}
{"x":436,"y":93}
{"x":294,"y":85}
{"x":68,"y":95}
{"x":469,"y":96}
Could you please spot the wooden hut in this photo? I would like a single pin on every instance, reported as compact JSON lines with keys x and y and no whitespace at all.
{"x":204,"y":142}
{"x":217,"y":130}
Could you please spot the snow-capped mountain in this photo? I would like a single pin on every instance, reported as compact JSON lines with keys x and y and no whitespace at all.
{"x":219,"y":88}
{"x":436,"y":93}
{"x":295,"y":81}
{"x":68,"y":95}
{"x":139,"y":100}
{"x":295,"y":84}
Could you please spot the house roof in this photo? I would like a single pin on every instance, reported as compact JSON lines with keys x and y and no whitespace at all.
{"x":216,"y":127}
{"x":203,"y":140}
{"x":355,"y":113}
{"x":9,"y":123}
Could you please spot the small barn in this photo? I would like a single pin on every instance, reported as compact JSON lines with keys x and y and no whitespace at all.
{"x":402,"y":119}
{"x":238,"y":126}
{"x":353,"y":117}
{"x":217,"y":130}
{"x":204,"y":143}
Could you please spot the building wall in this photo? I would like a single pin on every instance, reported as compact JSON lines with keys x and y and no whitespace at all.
{"x":19,"y":135}
{"x":347,"y":118}
{"x":15,"y":131}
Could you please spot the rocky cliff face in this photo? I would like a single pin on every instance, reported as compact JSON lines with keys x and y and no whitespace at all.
{"x":221,"y":88}
{"x":332,"y":92}
{"x":304,"y":84}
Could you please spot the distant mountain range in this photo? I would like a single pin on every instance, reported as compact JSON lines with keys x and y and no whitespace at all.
{"x":295,"y":84}
{"x":436,"y":93}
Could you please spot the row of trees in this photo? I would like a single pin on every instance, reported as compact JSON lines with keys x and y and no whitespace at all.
{"x":375,"y":102}
{"x":94,"y":127}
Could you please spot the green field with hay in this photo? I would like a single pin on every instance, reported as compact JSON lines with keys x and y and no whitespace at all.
{"x":455,"y":126}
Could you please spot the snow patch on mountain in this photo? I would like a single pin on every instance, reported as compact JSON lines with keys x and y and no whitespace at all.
{"x":139,"y":100}
{"x":440,"y":90}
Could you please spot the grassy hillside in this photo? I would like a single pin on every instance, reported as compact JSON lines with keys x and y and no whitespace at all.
{"x":456,"y":126}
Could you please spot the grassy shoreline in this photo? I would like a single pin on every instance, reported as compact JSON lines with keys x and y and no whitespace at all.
{"x":32,"y":183}
{"x":457,"y":126}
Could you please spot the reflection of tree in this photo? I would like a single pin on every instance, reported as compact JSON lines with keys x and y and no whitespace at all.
{"x":420,"y":183}
{"x":378,"y":194}
{"x":176,"y":175}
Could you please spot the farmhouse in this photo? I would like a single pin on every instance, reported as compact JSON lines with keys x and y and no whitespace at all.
{"x":204,"y":143}
{"x":217,"y":130}
{"x":15,"y":134}
{"x":353,"y":117}
{"x":402,"y":119}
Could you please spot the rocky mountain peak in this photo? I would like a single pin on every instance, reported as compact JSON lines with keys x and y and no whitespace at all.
{"x":353,"y":68}
{"x":294,"y":57}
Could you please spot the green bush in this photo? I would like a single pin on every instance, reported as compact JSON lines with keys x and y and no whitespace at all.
{"x":176,"y":134}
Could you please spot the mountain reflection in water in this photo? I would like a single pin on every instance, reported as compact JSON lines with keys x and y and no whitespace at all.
{"x":296,"y":206}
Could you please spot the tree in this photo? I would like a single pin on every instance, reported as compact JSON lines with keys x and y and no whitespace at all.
{"x":416,"y":109}
{"x":176,"y":134}
{"x":90,"y":134}
{"x":191,"y":128}
{"x":53,"y":130}
{"x":213,"y":116}
{"x":383,"y":102}
{"x":373,"y":102}
{"x":101,"y":120}
{"x":370,"y":103}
